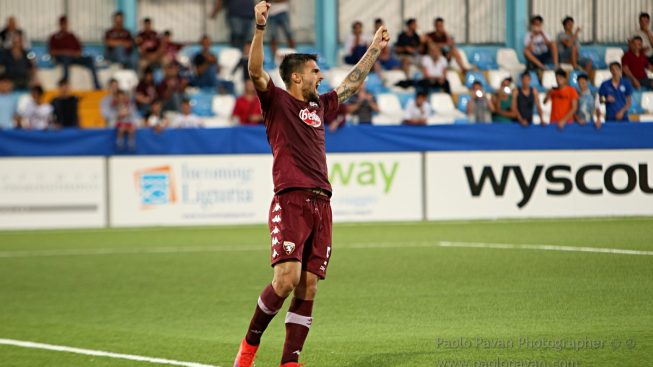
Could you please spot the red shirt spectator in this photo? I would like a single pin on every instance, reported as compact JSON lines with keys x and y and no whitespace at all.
{"x":248,"y":107}
{"x":147,"y":39}
{"x":64,"y":42}
{"x":119,"y":35}
{"x":637,"y":63}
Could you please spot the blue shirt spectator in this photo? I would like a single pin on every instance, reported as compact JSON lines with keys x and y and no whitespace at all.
{"x":616,"y":94}
{"x":8,"y":104}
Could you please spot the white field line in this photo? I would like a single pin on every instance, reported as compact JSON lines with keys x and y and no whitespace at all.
{"x":99,"y":353}
{"x":377,"y":245}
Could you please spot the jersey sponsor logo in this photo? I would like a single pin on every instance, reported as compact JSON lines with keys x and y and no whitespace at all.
{"x":288,"y":247}
{"x":310,"y":117}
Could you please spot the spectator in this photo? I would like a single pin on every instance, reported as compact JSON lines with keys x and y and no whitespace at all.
{"x":569,"y":47}
{"x":362,"y":105}
{"x":588,"y":104}
{"x":408,"y":46}
{"x":445,"y":41}
{"x":10,"y":31}
{"x":616,"y":93}
{"x":239,"y":17}
{"x":65,"y":107}
{"x":564,"y":101}
{"x":109,"y":103}
{"x":147,"y":41}
{"x":434,"y":70}
{"x":278,"y":19}
{"x":168,"y":49}
{"x":8,"y":104}
{"x":119,"y":43}
{"x":356,"y":44}
{"x":339,"y":120}
{"x":524,"y":99}
{"x":172,"y":88}
{"x":242,"y":63}
{"x":247,"y":110}
{"x":479,"y":108}
{"x":38,"y":113}
{"x":645,"y":33}
{"x":205,"y":66}
{"x":539,"y":49}
{"x":386,"y":60}
{"x":66,"y":49}
{"x":418,"y":110}
{"x":155,"y":118}
{"x":126,"y":119}
{"x":635,"y":64}
{"x":17,"y":66}
{"x":378,"y":23}
{"x":502,"y":103}
{"x":186,"y":119}
{"x":145,"y":92}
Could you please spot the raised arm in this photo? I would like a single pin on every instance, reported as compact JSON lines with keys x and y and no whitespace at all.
{"x":255,"y":64}
{"x":357,"y":75}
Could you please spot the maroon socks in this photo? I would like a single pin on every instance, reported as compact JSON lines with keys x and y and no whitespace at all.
{"x":298,"y":322}
{"x":268,"y":306}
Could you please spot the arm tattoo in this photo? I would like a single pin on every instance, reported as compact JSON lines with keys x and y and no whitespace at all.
{"x":358,"y":74}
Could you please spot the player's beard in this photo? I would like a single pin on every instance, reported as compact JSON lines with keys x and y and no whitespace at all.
{"x":311,"y":95}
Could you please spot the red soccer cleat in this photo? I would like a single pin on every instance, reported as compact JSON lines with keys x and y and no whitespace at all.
{"x":292,"y":364}
{"x":246,"y":354}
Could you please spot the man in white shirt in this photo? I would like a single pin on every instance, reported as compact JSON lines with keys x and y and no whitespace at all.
{"x":186,"y":119}
{"x":418,"y":110}
{"x":38,"y":113}
{"x":434,"y":68}
{"x":539,"y":48}
{"x":644,"y":31}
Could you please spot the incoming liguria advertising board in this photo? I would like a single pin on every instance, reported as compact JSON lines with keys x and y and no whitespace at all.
{"x":513,"y":184}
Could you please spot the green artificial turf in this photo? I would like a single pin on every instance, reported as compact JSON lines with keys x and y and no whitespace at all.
{"x":392,"y":297}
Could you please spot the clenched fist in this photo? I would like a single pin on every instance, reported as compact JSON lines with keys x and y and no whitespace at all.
{"x":261,"y":10}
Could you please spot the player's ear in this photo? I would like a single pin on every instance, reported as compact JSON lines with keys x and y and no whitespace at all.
{"x":296,"y":78}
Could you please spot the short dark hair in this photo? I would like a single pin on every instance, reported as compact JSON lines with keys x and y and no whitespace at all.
{"x":561,"y":72}
{"x":354,"y":24}
{"x":378,"y":20}
{"x":525,"y":74}
{"x":536,"y":18}
{"x":167,"y":33}
{"x":147,"y":20}
{"x":421,"y":93}
{"x":185,"y":101}
{"x":294,"y":63}
{"x":63,"y":19}
{"x":644,"y":15}
{"x":410,"y":21}
{"x":118,"y":13}
{"x":477,"y":82}
{"x":583,"y":76}
{"x":439,"y":19}
{"x":615,"y":63}
{"x":567,"y":19}
{"x":37,"y":88}
{"x":637,"y":38}
{"x":62,"y":82}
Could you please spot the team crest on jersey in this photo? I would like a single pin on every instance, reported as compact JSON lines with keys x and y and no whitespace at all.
{"x":310,"y":117}
{"x":288,"y":247}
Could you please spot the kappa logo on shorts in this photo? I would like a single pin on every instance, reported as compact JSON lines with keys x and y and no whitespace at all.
{"x":276,"y":219}
{"x":277,"y":207}
{"x":275,"y":241}
{"x":310,"y":117}
{"x":275,"y":254}
{"x":275,"y":230}
{"x":289,"y":247}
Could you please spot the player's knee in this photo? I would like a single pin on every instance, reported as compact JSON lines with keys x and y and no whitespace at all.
{"x":306,"y":291}
{"x":285,"y":280}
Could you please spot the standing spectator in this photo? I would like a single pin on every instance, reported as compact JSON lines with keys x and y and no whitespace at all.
{"x":126,"y":120}
{"x":38,"y":113}
{"x":569,"y":47}
{"x":479,"y":108}
{"x":147,"y":41}
{"x":155,"y":118}
{"x":66,"y":49}
{"x":616,"y":93}
{"x":362,"y":105}
{"x":524,"y":99}
{"x":109,"y":103}
{"x":65,"y":107}
{"x":502,"y":103}
{"x":10,"y":31}
{"x":635,"y":64}
{"x":408,"y":46}
{"x":278,"y":19}
{"x":172,"y":88}
{"x":145,"y":92}
{"x":18,"y":67}
{"x":564,"y":101}
{"x":186,"y":119}
{"x":645,"y":33}
{"x":588,"y":104}
{"x":434,"y":68}
{"x":356,"y":44}
{"x":119,"y":43}
{"x":445,"y":41}
{"x":417,"y":111}
{"x":205,"y":66}
{"x":239,"y":17}
{"x":247,"y":110}
{"x":539,"y":49}
{"x":8,"y":104}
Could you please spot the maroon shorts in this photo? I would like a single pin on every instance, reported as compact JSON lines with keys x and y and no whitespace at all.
{"x":300,"y":227}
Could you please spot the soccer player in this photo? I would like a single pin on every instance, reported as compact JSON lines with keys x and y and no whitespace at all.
{"x":300,"y":212}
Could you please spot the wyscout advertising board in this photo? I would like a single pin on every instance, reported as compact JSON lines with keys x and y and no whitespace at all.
{"x":467,"y":185}
{"x":52,"y":193}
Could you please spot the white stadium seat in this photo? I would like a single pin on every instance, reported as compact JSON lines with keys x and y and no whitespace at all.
{"x":508,"y":60}
{"x":223,"y":104}
{"x":445,"y":111}
{"x":228,"y":58}
{"x":549,"y":79}
{"x":456,"y":85}
{"x":276,"y":78}
{"x":23,"y":100}
{"x":546,"y":110}
{"x":454,"y":65}
{"x":647,"y":102}
{"x":613,"y":54}
{"x":600,"y":76}
{"x":127,"y":79}
{"x":281,"y":53}
{"x":495,"y":77}
{"x":391,"y":112}
{"x":392,"y":77}
{"x":335,"y":76}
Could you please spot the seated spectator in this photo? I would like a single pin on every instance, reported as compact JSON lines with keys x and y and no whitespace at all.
{"x":109,"y":102}
{"x":168,"y":49}
{"x":569,"y":47}
{"x":445,"y":42}
{"x":145,"y":92}
{"x":155,"y":118}
{"x":434,"y":69}
{"x":66,"y":49}
{"x":588,"y":104}
{"x":408,"y":46}
{"x":635,"y":65}
{"x":38,"y":113}
{"x":616,"y":93}
{"x":479,"y":108}
{"x":10,"y":31}
{"x":356,"y":44}
{"x":65,"y":107}
{"x":418,"y":110}
{"x":8,"y":104}
{"x":339,"y":120}
{"x":171,"y":90}
{"x":247,"y":110}
{"x":205,"y":66}
{"x":17,"y":66}
{"x":386,"y":60}
{"x":539,"y":49}
{"x":502,"y":103}
{"x":278,"y":19}
{"x":126,"y":119}
{"x":119,"y":43}
{"x":186,"y":119}
{"x":524,"y":99}
{"x":362,"y":105}
{"x":147,"y":41}
{"x":645,"y":33}
{"x":564,"y":101}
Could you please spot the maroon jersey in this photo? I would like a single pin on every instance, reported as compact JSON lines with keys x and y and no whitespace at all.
{"x":149,"y":40}
{"x":118,"y":34}
{"x":295,"y":132}
{"x":64,"y":41}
